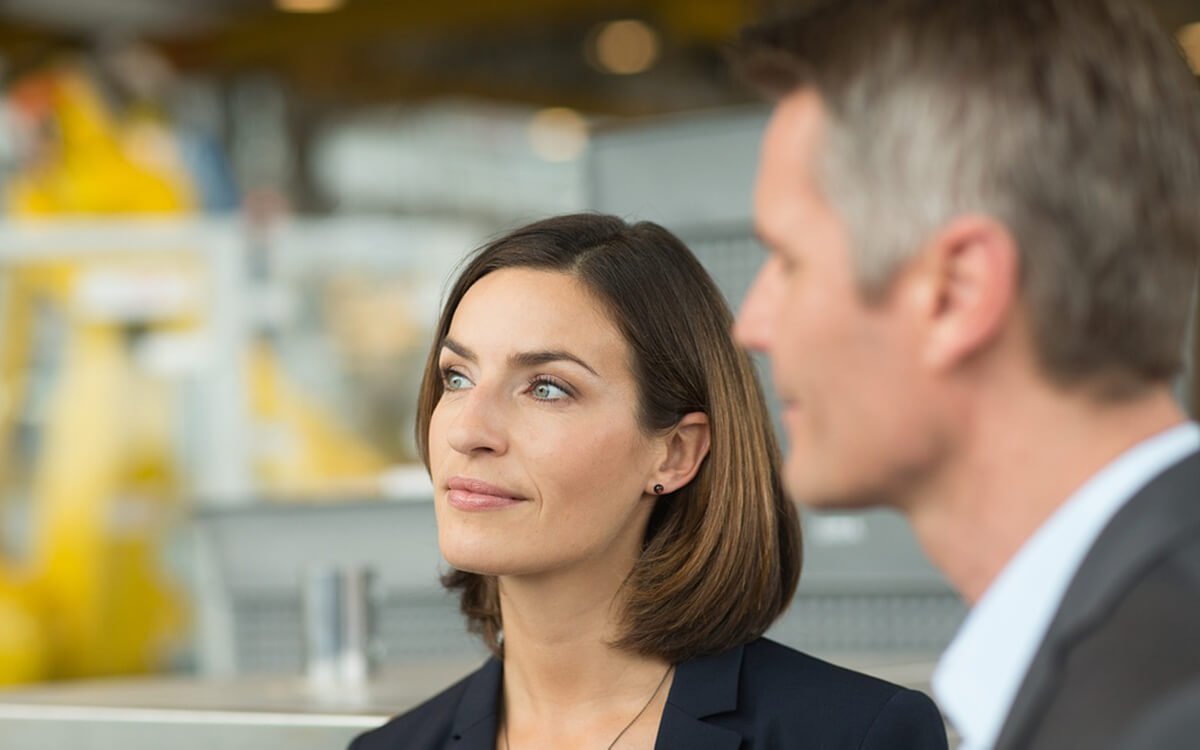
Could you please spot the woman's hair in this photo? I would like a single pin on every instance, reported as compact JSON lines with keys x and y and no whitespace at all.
{"x":721,"y":556}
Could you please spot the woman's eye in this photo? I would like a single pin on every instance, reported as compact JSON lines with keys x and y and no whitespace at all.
{"x":455,"y":381}
{"x":544,"y":390}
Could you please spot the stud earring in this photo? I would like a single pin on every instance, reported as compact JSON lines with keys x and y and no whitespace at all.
{"x":658,"y":489}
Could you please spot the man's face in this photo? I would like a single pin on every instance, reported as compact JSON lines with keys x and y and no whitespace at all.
{"x":846,"y":370}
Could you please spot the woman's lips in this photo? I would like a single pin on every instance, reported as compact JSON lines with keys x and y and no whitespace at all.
{"x":474,"y":494}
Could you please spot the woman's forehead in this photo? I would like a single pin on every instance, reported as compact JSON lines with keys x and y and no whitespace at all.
{"x":517,"y":310}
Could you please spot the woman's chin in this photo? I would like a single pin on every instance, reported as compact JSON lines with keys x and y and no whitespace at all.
{"x":499,"y":562}
{"x":481,"y":559}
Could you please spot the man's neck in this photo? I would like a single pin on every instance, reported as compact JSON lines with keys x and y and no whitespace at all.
{"x":1020,"y":461}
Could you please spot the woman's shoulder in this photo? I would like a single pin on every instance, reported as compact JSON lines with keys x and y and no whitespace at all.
{"x":773,"y":664}
{"x":428,"y":725}
{"x":796,"y":694}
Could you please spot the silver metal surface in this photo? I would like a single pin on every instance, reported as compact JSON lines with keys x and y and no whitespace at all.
{"x":187,"y":714}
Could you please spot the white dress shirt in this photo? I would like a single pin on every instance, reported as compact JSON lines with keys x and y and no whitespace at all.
{"x":978,"y":676}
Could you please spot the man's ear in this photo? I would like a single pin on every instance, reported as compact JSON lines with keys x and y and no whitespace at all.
{"x":686,"y":446}
{"x":969,"y":282}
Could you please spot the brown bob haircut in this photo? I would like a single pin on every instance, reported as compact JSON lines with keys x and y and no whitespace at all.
{"x":721,"y":556}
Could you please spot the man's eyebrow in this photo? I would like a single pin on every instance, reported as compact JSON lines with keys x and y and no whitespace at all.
{"x":459,"y":349}
{"x":532,"y":359}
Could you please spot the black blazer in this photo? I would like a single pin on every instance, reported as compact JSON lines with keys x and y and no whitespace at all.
{"x":760,"y":695}
{"x":1121,"y":658}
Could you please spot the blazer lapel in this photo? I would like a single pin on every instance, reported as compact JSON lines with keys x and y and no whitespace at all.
{"x":703,"y":687}
{"x":1154,"y":521}
{"x":475,"y":720}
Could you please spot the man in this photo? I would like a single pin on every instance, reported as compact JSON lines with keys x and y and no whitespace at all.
{"x":983,"y":222}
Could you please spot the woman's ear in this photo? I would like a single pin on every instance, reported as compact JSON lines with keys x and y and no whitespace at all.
{"x":686,"y":446}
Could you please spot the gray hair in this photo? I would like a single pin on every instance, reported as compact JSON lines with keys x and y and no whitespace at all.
{"x":1075,"y":123}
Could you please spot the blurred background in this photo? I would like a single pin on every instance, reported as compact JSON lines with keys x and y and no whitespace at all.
{"x":225,"y":229}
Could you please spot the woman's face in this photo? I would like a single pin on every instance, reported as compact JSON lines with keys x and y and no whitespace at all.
{"x":538,"y":462}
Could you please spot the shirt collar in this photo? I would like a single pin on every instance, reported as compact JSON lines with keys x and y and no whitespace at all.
{"x":979,"y":674}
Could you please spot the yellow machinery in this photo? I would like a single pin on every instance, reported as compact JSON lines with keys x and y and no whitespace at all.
{"x":84,"y":162}
{"x":89,"y":595}
{"x":315,"y":455}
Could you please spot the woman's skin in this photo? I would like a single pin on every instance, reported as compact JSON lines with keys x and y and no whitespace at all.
{"x":544,"y":478}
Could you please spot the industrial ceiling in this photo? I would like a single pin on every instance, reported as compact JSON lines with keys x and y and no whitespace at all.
{"x":538,"y":52}
{"x":533,"y":52}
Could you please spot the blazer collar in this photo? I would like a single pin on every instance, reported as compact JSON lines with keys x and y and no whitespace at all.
{"x":475,"y":721}
{"x":703,"y":687}
{"x":1153,"y":522}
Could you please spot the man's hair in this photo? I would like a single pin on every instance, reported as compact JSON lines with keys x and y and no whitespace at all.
{"x":1075,"y":123}
{"x":721,"y":556}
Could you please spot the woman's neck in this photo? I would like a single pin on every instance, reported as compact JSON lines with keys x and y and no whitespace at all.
{"x":562,"y":676}
{"x":558,"y":637}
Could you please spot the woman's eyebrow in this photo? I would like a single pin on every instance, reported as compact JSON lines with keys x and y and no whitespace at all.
{"x":459,"y":349}
{"x":532,"y":359}
{"x":522,"y":359}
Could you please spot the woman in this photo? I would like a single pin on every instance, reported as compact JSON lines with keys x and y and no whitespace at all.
{"x":607,"y":490}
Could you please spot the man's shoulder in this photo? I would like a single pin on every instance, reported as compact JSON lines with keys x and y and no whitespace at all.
{"x":1144,"y":569}
{"x":1121,"y":669}
{"x":1128,"y":636}
{"x":1148,"y":555}
{"x":428,"y":725}
{"x":1136,"y":611}
{"x":1157,"y":613}
{"x":1173,"y":721}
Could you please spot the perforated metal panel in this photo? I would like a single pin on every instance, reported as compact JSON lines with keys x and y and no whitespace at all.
{"x":419,"y":627}
{"x":410,"y":627}
{"x":731,"y":255}
{"x":269,"y":633}
{"x":845,"y":623}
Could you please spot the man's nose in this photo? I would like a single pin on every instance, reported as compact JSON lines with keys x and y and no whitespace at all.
{"x":752,"y":327}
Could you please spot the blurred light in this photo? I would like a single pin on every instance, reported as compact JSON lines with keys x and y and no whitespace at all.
{"x":558,"y":134}
{"x":1189,"y":39}
{"x":309,"y":6}
{"x":624,"y":47}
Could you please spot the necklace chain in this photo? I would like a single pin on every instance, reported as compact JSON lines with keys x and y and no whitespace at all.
{"x":620,"y":734}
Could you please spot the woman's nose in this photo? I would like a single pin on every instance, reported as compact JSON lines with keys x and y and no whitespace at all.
{"x":478,"y":425}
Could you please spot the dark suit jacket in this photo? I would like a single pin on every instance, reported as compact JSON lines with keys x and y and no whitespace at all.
{"x":761,"y":695}
{"x":1172,"y":724}
{"x":1125,"y":642}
